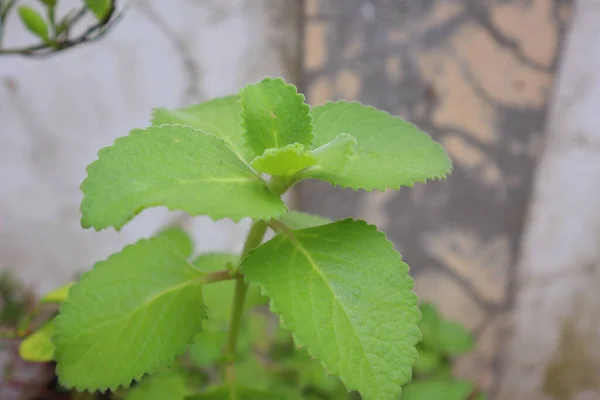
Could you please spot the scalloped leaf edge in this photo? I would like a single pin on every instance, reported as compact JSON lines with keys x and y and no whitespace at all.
{"x":301,"y":96}
{"x":140,"y":131}
{"x":435,"y":177}
{"x":151,"y":369}
{"x":415,"y":336}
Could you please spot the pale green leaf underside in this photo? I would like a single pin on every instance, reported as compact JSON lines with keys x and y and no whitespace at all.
{"x":390,"y":152}
{"x":344,"y":292}
{"x":220,"y":116}
{"x":169,"y":385}
{"x":178,"y":167}
{"x":301,"y":220}
{"x":128,"y":316}
{"x":274,"y":115}
{"x":57,"y":295}
{"x":38,"y":346}
{"x":333,"y":159}
{"x":284,"y":161}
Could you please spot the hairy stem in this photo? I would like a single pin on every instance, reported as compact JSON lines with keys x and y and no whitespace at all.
{"x":254,"y":238}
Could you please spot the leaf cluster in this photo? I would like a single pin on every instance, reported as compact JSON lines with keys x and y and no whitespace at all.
{"x":339,"y":288}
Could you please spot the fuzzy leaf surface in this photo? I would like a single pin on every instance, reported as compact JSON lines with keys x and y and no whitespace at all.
{"x":220,"y":116}
{"x":346,"y":295}
{"x":333,"y":158}
{"x":284,"y":161}
{"x":390,"y":151}
{"x":38,"y":346}
{"x":178,"y":167}
{"x":179,"y":238}
{"x":128,"y":316}
{"x":274,"y":115}
{"x":301,"y":220}
{"x":162,"y":386}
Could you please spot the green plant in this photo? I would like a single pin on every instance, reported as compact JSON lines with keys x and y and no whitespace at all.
{"x":432,"y":373}
{"x":339,"y":287}
{"x":55,"y":34}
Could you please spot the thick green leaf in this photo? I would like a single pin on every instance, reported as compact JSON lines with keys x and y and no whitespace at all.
{"x":454,"y":338}
{"x":38,"y":346}
{"x":100,"y":8}
{"x":390,"y":152}
{"x":438,"y":390}
{"x":34,"y":22}
{"x":169,"y":385}
{"x":57,"y":295}
{"x":346,"y":295}
{"x":220,"y":116}
{"x":300,"y":220}
{"x":236,"y":393}
{"x":333,"y":158}
{"x":284,"y":161}
{"x":128,"y":316}
{"x":179,"y":238}
{"x":274,"y":115}
{"x":175,"y":166}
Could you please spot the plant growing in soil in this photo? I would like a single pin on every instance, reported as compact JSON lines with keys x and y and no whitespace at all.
{"x":339,"y":287}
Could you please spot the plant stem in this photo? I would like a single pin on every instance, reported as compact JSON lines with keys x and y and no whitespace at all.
{"x":254,"y":238}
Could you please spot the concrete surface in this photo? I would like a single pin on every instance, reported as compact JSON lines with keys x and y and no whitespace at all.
{"x":56,"y":113}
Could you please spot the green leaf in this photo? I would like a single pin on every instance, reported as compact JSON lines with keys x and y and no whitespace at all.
{"x":333,"y":158}
{"x":301,"y":220}
{"x":220,"y":116}
{"x":428,"y":362}
{"x":57,"y":295}
{"x":390,"y":152}
{"x":164,"y":385}
{"x":207,"y":347}
{"x":128,"y":316}
{"x":284,"y":161}
{"x":100,"y":8}
{"x":179,"y":238}
{"x":454,"y":338}
{"x":274,"y":115}
{"x":34,"y":22}
{"x":175,"y":166}
{"x":219,"y":296}
{"x":346,"y":295}
{"x":38,"y":346}
{"x":438,"y":390}
{"x":430,"y":325}
{"x":236,"y":393}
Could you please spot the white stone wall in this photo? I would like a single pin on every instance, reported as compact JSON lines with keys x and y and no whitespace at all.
{"x":555,"y":350}
{"x":57,"y":112}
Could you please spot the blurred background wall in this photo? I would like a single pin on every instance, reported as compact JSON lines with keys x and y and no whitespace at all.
{"x":56,"y":113}
{"x":477,"y":75}
{"x":488,"y":245}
